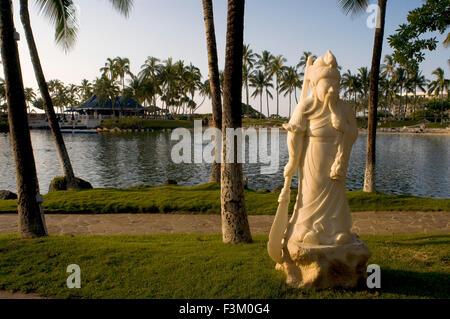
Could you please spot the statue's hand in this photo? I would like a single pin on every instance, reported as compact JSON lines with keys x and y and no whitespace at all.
{"x":285,"y":195}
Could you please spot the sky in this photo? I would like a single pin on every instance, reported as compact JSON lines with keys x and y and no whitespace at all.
{"x":175,"y":28}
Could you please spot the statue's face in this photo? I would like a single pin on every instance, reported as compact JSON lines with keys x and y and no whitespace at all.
{"x":325,"y":86}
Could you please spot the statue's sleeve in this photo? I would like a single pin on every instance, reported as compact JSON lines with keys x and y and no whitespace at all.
{"x":346,"y":141}
{"x":297,"y":123}
{"x":295,"y":140}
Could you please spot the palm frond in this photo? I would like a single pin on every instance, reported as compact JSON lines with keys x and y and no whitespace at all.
{"x":123,"y":6}
{"x":62,"y":14}
{"x":353,"y":7}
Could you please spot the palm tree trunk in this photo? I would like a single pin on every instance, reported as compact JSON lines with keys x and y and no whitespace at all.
{"x":214,"y":82}
{"x":267,"y":98}
{"x":63,"y":156}
{"x":247,"y":99}
{"x":290,"y":102}
{"x":406,"y":102}
{"x":235,"y":227}
{"x":260,"y":105}
{"x":31,"y":217}
{"x":369,"y":180}
{"x":278,"y":102}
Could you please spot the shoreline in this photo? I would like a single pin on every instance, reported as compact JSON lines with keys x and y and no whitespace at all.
{"x":381,"y":131}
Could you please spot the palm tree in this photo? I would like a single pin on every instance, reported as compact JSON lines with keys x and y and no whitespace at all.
{"x":364,"y":81}
{"x":358,"y":6}
{"x":191,"y":83}
{"x":31,"y":216}
{"x":235,"y":227}
{"x":418,"y":81}
{"x":214,"y":80}
{"x":258,"y":81}
{"x":388,"y":71}
{"x":72,"y":91}
{"x":352,"y":86}
{"x":105,"y":90}
{"x":62,"y":16}
{"x":400,"y":79}
{"x":122,"y":66}
{"x":85,"y":89}
{"x":169,"y":77}
{"x":30,"y":96}
{"x":135,"y":89}
{"x":277,"y":67}
{"x":298,"y":84}
{"x":248,"y":62}
{"x":264,"y":62}
{"x":150,"y":71}
{"x":304,"y":59}
{"x":110,"y":69}
{"x":269,"y":94}
{"x":289,"y":84}
{"x":438,"y":87}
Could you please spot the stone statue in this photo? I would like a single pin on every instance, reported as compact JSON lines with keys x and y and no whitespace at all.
{"x":317,"y":243}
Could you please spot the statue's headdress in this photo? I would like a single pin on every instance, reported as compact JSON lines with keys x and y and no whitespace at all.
{"x":323,"y":67}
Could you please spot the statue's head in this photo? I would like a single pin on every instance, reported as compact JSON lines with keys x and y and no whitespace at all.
{"x":324,"y":77}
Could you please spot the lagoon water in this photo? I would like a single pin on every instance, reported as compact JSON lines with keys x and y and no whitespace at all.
{"x":406,"y":164}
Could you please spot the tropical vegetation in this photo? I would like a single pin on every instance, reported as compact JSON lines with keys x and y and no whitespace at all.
{"x":205,"y":199}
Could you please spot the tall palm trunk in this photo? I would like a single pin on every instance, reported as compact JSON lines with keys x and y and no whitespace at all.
{"x":278,"y":101}
{"x":295,"y":95}
{"x":260,"y":105}
{"x":235,"y":227}
{"x":267,"y":98}
{"x":247,"y":98}
{"x":63,"y":156}
{"x":214,"y":79}
{"x":290,"y":102}
{"x":369,"y":179}
{"x":31,"y":218}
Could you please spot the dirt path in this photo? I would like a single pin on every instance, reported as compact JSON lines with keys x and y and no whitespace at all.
{"x":379,"y":223}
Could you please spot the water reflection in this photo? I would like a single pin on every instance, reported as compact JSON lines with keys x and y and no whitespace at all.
{"x":406,"y":164}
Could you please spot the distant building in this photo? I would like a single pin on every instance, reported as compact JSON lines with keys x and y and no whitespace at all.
{"x":121,"y":107}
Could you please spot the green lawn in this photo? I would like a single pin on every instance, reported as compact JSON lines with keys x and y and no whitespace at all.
{"x":137,"y":123}
{"x":201,"y":266}
{"x":401,"y":124}
{"x":205,"y":199}
{"x":264,"y":122}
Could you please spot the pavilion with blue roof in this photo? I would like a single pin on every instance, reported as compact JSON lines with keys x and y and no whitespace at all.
{"x":122,"y":107}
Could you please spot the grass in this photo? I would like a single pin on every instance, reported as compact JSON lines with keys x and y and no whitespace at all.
{"x":205,"y":199}
{"x":362,"y":123}
{"x":137,"y":123}
{"x":263,"y":122}
{"x":201,"y":266}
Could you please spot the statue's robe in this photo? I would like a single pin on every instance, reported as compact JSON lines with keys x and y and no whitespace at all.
{"x":321,"y":154}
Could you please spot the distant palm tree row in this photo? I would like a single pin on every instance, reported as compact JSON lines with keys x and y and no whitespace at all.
{"x":265,"y":76}
{"x":397,"y":88}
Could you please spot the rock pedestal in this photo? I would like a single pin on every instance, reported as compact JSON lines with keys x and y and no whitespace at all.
{"x":310,"y":266}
